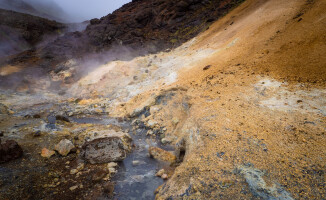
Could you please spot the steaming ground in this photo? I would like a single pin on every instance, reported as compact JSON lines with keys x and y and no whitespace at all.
{"x":245,"y":101}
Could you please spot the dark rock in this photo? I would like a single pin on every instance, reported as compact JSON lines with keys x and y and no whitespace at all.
{"x":36,"y":116}
{"x":62,"y":118}
{"x":180,"y":149}
{"x":99,"y":175}
{"x":108,"y":188}
{"x":37,"y":134}
{"x":207,"y":67}
{"x":10,"y":150}
{"x":94,"y":21}
{"x":1,"y":133}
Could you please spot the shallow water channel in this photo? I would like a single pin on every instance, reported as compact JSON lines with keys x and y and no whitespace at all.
{"x":136,"y":173}
{"x":26,"y":177}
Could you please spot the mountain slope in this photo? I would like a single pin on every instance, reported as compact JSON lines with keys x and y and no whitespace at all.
{"x":140,"y":26}
{"x":22,"y":31}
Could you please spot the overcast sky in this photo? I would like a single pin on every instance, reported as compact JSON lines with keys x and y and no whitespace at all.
{"x":82,"y":10}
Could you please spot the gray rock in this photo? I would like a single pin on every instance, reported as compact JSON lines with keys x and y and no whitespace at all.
{"x":258,"y":186}
{"x":107,"y":149}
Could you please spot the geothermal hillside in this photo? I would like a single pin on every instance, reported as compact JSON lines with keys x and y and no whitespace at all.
{"x":219,"y":99}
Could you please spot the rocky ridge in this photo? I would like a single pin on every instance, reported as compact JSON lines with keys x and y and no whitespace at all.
{"x":138,"y":27}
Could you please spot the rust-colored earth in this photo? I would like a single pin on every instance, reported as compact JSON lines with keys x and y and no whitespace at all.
{"x":243,"y":103}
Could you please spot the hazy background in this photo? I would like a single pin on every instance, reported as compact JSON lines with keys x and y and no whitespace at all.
{"x":82,"y":10}
{"x":64,"y":10}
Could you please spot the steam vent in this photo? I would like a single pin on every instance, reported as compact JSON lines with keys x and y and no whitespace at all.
{"x":162,"y":100}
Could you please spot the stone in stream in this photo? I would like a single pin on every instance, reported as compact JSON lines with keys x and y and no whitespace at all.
{"x":160,"y":172}
{"x":112,"y":165}
{"x":161,"y":154}
{"x":135,"y":162}
{"x":166,"y":140}
{"x":64,"y":147}
{"x":111,"y":147}
{"x":10,"y":150}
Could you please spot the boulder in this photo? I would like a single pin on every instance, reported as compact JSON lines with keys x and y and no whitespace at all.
{"x":112,"y":147}
{"x":64,"y":147}
{"x":10,"y":150}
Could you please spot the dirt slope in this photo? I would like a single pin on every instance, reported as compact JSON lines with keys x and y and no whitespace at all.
{"x":250,"y":112}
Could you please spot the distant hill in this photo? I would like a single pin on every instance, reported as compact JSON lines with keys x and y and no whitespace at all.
{"x":19,"y":32}
{"x":46,"y":9}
